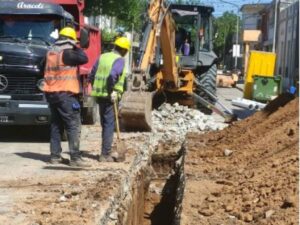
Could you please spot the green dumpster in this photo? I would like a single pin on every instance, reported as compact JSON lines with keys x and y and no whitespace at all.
{"x":266,"y":88}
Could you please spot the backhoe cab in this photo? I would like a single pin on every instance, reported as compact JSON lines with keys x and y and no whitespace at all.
{"x":193,"y":35}
{"x":176,"y":62}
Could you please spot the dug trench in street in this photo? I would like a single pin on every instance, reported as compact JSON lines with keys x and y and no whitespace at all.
{"x":34,"y":192}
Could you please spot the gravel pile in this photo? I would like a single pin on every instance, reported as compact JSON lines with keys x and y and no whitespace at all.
{"x":176,"y":120}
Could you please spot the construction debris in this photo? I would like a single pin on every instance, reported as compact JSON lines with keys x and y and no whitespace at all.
{"x":174,"y":121}
{"x":227,"y":80}
{"x":248,"y":104}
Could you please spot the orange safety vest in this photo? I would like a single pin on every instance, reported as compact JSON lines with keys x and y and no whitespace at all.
{"x":58,"y":76}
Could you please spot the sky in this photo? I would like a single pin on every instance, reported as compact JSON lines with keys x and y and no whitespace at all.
{"x":221,"y":7}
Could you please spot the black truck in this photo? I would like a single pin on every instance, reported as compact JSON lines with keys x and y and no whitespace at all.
{"x":27,"y":31}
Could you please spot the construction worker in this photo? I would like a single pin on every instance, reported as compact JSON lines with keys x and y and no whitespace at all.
{"x":108,"y":77}
{"x":186,"y":47}
{"x":61,"y":89}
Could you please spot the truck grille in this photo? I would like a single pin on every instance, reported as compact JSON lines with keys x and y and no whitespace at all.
{"x":15,"y":60}
{"x":21,"y":85}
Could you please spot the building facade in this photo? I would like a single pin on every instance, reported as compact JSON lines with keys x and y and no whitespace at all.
{"x":251,"y":16}
{"x":267,"y":26}
{"x":287,"y":45}
{"x":262,"y":17}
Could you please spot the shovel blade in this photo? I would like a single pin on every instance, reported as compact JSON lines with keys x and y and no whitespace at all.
{"x":119,"y":151}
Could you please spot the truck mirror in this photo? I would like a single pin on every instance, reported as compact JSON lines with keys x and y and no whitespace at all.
{"x":84,"y":38}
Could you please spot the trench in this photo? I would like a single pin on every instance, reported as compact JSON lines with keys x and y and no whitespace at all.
{"x":152,"y":192}
{"x":157,"y":191}
{"x":163,"y":197}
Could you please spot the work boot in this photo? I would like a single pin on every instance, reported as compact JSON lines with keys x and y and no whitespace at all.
{"x":118,"y":157}
{"x":58,"y":160}
{"x":105,"y":158}
{"x":78,"y":162}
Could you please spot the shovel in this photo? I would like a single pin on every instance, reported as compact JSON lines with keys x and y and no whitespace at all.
{"x":119,"y":155}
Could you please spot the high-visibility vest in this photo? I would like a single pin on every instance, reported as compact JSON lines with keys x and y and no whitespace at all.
{"x":58,"y":76}
{"x":105,"y":65}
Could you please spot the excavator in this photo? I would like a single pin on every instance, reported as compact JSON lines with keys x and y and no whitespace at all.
{"x":176,"y":64}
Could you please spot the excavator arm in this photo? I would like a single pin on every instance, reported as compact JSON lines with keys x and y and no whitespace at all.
{"x":158,"y":48}
{"x":164,"y":30}
{"x":160,"y":39}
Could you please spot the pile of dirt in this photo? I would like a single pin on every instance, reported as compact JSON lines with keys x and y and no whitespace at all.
{"x":247,"y":173}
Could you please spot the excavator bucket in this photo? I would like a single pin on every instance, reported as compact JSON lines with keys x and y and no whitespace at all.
{"x":135,"y":111}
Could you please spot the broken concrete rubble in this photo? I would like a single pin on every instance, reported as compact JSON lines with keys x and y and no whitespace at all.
{"x":174,"y":121}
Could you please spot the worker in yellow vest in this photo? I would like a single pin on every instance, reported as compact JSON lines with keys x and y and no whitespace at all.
{"x":108,"y":78}
{"x":61,"y":90}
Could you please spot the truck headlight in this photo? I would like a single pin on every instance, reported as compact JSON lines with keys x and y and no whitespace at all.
{"x":40,"y":84}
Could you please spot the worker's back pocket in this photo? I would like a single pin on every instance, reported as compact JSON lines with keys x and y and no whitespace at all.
{"x":71,"y":105}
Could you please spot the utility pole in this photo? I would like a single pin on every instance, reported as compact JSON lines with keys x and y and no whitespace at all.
{"x":224,"y":48}
{"x":237,"y":38}
{"x":237,"y":30}
{"x":275,"y":25}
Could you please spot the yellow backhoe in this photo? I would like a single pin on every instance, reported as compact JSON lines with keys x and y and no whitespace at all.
{"x":176,"y":64}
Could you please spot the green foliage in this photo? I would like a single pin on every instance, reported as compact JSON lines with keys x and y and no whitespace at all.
{"x":127,"y":12}
{"x":133,"y":16}
{"x":225,"y":27}
{"x":108,"y":36}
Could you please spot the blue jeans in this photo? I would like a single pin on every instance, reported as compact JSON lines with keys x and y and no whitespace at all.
{"x":65,"y":114}
{"x":107,"y":120}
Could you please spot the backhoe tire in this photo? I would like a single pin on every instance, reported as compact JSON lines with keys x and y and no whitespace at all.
{"x":208,"y":81}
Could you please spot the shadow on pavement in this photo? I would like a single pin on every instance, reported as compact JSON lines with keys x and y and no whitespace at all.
{"x":34,"y":156}
{"x":66,"y":168}
{"x":24,"y":134}
{"x":85,"y":154}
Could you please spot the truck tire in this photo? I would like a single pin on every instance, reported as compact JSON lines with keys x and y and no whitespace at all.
{"x":90,"y":115}
{"x":208,"y":81}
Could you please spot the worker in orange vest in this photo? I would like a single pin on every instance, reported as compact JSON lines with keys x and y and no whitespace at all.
{"x":61,"y":89}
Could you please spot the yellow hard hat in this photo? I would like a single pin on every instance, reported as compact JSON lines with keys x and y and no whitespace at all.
{"x":68,"y":32}
{"x":123,"y":42}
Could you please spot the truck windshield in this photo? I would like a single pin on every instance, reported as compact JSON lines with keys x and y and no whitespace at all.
{"x":30,"y":28}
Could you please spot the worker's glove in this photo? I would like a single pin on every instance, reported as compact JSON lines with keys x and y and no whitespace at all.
{"x":114,"y":96}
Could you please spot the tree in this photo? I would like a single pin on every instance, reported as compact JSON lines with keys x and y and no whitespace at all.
{"x":127,"y":12}
{"x":225,"y":27}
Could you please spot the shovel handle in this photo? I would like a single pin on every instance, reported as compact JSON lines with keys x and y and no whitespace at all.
{"x":117,"y":119}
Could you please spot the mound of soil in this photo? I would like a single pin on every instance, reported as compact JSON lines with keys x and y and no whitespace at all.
{"x":248,"y":173}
